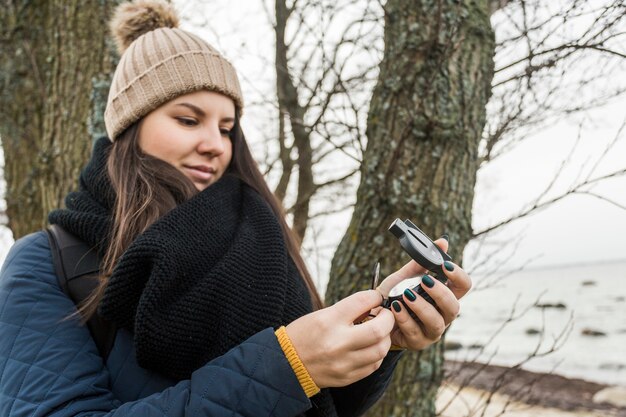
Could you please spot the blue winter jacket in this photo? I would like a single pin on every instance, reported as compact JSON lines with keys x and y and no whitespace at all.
{"x":50,"y":366}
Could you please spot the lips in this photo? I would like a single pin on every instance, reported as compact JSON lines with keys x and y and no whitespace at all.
{"x":203,"y":168}
{"x":200,"y":172}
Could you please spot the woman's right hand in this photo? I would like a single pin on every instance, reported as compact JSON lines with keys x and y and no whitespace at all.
{"x":335,"y":351}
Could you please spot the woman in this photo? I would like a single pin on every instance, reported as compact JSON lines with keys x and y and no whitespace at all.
{"x":199,"y":267}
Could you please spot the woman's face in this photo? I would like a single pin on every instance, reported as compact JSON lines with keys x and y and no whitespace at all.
{"x":191,"y":132}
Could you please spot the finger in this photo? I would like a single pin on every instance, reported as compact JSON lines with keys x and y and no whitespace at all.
{"x":442,"y":243}
{"x":360,"y":363}
{"x":409,"y":332}
{"x":356,"y":305}
{"x":432,"y":322}
{"x":376,"y":310}
{"x":365,"y":317}
{"x":372,"y":331}
{"x":409,"y":270}
{"x":371,"y":354}
{"x":357,"y":374}
{"x":443,"y":297}
{"x":459,"y":281}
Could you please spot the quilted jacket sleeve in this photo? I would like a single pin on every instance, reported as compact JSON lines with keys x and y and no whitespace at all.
{"x":49,"y":365}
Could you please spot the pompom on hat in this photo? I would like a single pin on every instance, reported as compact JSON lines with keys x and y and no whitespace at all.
{"x":158,"y":63}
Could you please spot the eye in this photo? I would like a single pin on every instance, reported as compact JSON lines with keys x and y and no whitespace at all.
{"x":225,"y":132}
{"x":186,"y":122}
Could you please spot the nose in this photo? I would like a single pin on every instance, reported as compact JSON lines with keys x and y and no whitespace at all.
{"x":211,"y":141}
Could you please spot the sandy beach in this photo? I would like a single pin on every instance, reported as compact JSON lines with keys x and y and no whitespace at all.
{"x":472,"y":402}
{"x":468,"y":387}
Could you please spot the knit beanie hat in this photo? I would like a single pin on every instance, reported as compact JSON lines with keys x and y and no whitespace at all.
{"x":158,"y":63}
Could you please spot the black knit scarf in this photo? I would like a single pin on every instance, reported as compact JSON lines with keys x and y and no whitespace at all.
{"x":200,"y":280}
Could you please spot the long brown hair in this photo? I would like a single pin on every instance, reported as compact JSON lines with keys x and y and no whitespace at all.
{"x":146,"y":188}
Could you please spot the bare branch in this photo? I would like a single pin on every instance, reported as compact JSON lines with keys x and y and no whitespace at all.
{"x":305,"y":197}
{"x":579,"y":189}
{"x":603,"y":198}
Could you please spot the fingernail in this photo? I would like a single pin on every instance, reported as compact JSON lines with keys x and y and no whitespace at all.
{"x":410,"y":295}
{"x":396,"y":306}
{"x":428,"y":281}
{"x":448,"y":265}
{"x":446,"y":237}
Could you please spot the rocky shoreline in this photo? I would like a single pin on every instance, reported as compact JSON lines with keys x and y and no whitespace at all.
{"x":539,"y":389}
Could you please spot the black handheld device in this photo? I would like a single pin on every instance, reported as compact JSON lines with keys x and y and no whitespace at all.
{"x":423,"y":251}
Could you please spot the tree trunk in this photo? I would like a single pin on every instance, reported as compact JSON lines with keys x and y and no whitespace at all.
{"x":424,"y":126}
{"x":288,"y":103}
{"x":55,"y":75}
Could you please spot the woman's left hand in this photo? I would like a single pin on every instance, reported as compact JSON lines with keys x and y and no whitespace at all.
{"x":414,"y":335}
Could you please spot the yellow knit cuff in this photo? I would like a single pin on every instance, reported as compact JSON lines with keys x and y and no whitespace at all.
{"x":307,"y":383}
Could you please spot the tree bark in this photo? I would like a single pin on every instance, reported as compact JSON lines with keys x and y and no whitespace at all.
{"x":495,"y":5}
{"x":285,"y":158}
{"x":425,"y":122}
{"x":55,"y":74}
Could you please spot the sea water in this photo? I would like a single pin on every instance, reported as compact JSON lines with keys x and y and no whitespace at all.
{"x":570,"y":320}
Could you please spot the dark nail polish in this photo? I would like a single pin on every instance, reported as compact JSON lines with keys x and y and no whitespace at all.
{"x":410,"y":295}
{"x":428,"y":281}
{"x":446,"y":237}
{"x":448,"y":265}
{"x":396,"y":306}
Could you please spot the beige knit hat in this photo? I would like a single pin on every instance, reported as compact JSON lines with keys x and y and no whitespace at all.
{"x":160,"y":62}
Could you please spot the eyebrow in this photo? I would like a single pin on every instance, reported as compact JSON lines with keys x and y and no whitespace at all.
{"x":200,"y":113}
